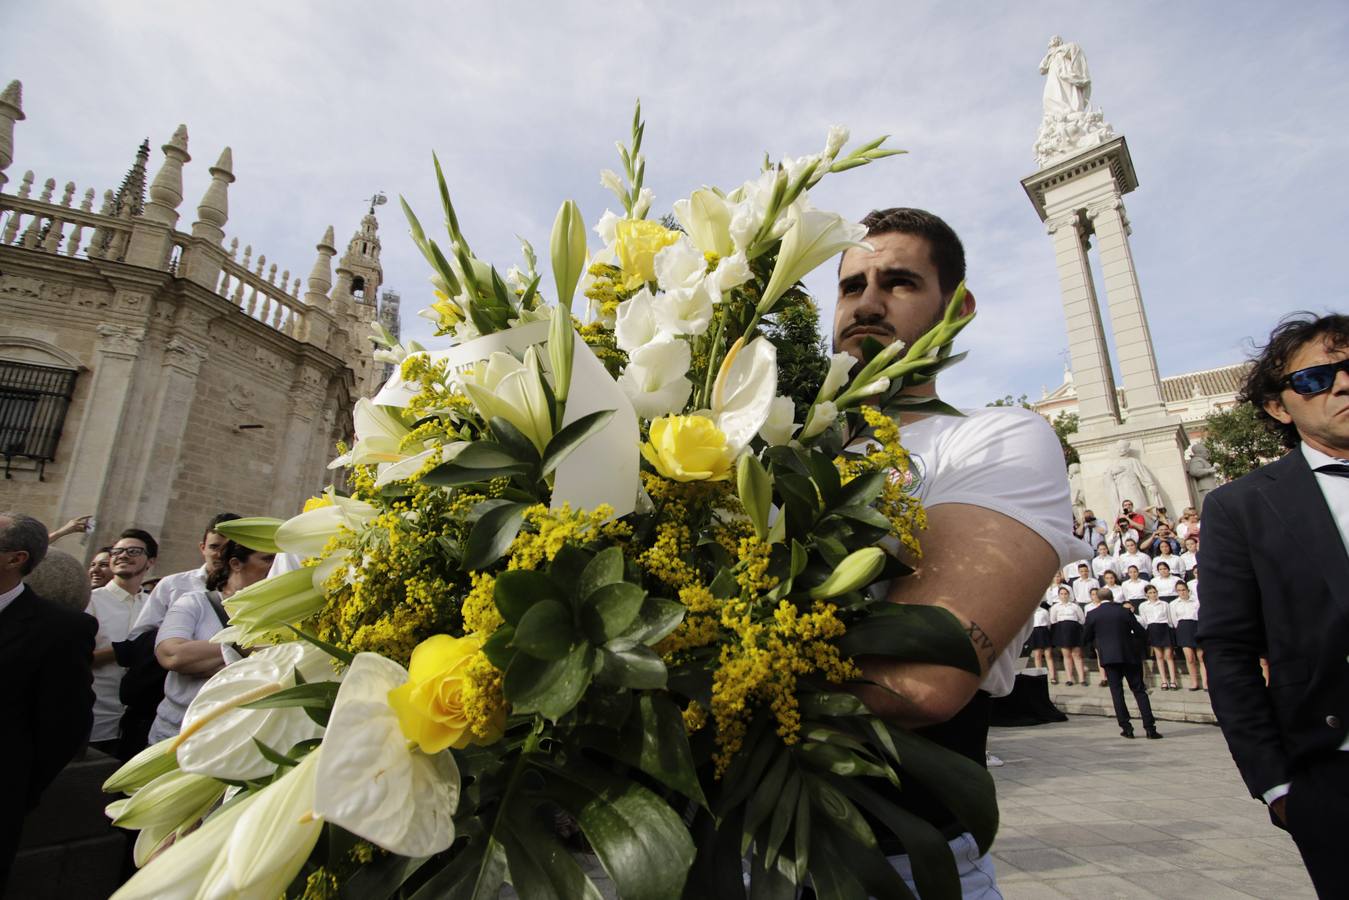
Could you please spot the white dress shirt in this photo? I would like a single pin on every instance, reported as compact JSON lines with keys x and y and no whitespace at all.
{"x":1166,"y":587}
{"x":1052,"y":593}
{"x":169,"y":588}
{"x":1190,"y":559}
{"x":115,"y":610}
{"x":10,"y":596}
{"x":1082,"y":589}
{"x":1182,"y":610}
{"x":1102,"y":564}
{"x":1041,"y":618}
{"x":1153,"y":612}
{"x":1066,"y":612}
{"x":1141,"y":560}
{"x":1175,"y":563}
{"x":1134,"y":590}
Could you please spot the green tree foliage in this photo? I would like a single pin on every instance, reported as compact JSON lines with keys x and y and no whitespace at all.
{"x":1064,"y":424}
{"x":803,"y":359}
{"x":1238,"y":442}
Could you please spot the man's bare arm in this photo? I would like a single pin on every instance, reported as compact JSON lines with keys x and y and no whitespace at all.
{"x":988,"y":569}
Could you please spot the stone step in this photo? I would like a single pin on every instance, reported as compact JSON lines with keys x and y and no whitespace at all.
{"x":1092,"y":699}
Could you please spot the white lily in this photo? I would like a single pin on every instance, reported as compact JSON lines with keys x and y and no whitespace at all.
{"x":308,"y":533}
{"x":217,"y":738}
{"x":513,"y":390}
{"x":251,"y":849}
{"x":684,"y":310}
{"x":636,"y":323}
{"x":840,"y":364}
{"x":379,"y":434}
{"x":744,"y":390}
{"x":654,"y":379}
{"x":813,"y":237}
{"x":375,"y":783}
{"x":143,"y":768}
{"x":779,"y":427}
{"x":275,"y":602}
{"x":706,"y":216}
{"x":166,"y":807}
{"x":407,"y":468}
{"x":821,"y":416}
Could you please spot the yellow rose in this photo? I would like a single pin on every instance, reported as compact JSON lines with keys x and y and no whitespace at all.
{"x":430,"y":704}
{"x":689,"y":448}
{"x":637,"y":242}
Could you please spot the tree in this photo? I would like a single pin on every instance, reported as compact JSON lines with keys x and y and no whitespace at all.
{"x":1238,"y":442}
{"x":1064,"y":424}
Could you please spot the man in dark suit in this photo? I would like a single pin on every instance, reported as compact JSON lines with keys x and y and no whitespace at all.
{"x":47,"y":696}
{"x":1276,"y":584}
{"x":1118,"y":636}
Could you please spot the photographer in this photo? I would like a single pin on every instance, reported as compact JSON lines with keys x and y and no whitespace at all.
{"x":1123,"y":532}
{"x":1091,"y":531}
{"x":1161,"y":543}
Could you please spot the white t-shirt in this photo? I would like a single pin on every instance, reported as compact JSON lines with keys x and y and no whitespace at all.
{"x":191,"y":618}
{"x":115,"y":610}
{"x":169,"y":588}
{"x":1005,"y":459}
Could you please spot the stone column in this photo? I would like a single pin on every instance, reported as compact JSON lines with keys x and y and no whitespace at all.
{"x":289,"y":489}
{"x":101,"y":435}
{"x":1092,"y":376}
{"x":11,"y":111}
{"x":1133,"y":341}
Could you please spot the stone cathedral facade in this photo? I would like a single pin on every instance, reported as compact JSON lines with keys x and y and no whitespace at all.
{"x":153,"y":375}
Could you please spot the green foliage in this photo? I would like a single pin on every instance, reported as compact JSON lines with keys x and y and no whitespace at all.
{"x":1238,"y":442}
{"x":1065,"y":423}
{"x":803,"y":356}
{"x":1006,"y":400}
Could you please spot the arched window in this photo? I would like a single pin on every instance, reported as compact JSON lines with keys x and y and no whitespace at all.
{"x":37,"y":382}
{"x":358,"y":287}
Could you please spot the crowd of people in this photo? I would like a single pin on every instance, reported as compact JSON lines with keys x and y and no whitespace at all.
{"x":1144,"y":562}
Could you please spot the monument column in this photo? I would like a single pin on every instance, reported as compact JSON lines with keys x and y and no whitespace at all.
{"x":1133,"y":341}
{"x":1097,"y":403}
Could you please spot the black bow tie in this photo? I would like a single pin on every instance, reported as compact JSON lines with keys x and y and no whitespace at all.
{"x":1340,"y":469}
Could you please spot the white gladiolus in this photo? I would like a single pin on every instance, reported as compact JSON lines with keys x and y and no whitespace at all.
{"x":680,"y":265}
{"x":779,"y":427}
{"x":837,"y":137}
{"x":840,"y":364}
{"x":218,"y":733}
{"x":654,"y":379}
{"x":606,"y":226}
{"x":610,"y":180}
{"x":643,"y":205}
{"x":375,"y":783}
{"x":684,"y":310}
{"x":744,"y":391}
{"x":731,"y":272}
{"x":822,"y":415}
{"x":635,"y":326}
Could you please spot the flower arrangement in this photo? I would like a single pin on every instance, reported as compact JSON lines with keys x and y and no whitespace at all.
{"x":587,"y":587}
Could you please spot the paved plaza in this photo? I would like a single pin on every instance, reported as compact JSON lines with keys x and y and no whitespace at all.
{"x":1088,"y":814}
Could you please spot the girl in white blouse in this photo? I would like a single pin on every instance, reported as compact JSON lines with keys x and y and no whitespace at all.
{"x":1103,"y":562}
{"x":1133,"y":588}
{"x":1041,"y":651}
{"x":1165,"y":582}
{"x":1066,"y":619}
{"x":1052,"y":592}
{"x":1154,"y":614}
{"x":1184,"y":612}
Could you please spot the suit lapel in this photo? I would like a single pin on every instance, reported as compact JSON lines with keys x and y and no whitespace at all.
{"x":1297,"y":498}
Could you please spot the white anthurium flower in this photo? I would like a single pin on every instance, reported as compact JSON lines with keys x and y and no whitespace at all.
{"x":654,"y":379}
{"x":636,"y":323}
{"x":372,"y":780}
{"x":822,"y":415}
{"x":684,"y":310}
{"x":706,"y":216}
{"x":834,"y":141}
{"x":744,"y":391}
{"x":513,"y":390}
{"x":840,"y":364}
{"x":218,"y":733}
{"x":813,"y":237}
{"x":731,"y":272}
{"x":779,"y":427}
{"x":251,"y":849}
{"x":680,"y":265}
{"x":308,"y":533}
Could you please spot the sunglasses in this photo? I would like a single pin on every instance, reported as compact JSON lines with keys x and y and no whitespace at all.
{"x":126,"y":551}
{"x":1315,"y":379}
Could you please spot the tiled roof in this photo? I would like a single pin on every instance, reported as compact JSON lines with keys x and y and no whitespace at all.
{"x":1208,"y":383}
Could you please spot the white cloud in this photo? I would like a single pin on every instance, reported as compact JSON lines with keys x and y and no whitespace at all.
{"x":1235,"y":114}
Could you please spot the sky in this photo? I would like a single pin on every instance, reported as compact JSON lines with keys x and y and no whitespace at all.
{"x":1236,"y":115}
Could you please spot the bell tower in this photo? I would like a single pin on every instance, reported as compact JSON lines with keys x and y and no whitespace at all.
{"x":362,"y":260}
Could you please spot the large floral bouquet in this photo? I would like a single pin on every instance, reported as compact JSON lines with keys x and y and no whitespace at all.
{"x":589,"y":592}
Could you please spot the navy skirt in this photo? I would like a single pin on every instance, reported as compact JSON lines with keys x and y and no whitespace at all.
{"x":1187,"y":633}
{"x":1066,"y":634}
{"x":1039,"y":637}
{"x":1159,"y":635}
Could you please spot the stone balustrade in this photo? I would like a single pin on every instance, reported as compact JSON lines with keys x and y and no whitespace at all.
{"x":61,"y":228}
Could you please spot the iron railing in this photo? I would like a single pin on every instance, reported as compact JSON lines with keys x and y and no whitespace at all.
{"x":33,"y":404}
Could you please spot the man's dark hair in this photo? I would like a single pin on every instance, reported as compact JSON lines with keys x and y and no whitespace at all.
{"x":219,"y":517}
{"x":948,"y":254}
{"x":20,"y":532}
{"x":1264,"y":382}
{"x":216,"y":578}
{"x":151,"y":545}
{"x":1105,"y":595}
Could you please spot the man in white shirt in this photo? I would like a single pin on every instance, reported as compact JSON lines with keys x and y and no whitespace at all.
{"x":115,"y":606}
{"x":995,"y":490}
{"x":1083,"y":584}
{"x":1132,"y":557}
{"x":1277,"y":568}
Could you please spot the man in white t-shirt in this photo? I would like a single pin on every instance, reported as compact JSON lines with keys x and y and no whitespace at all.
{"x":171,"y":587}
{"x":995,"y":490}
{"x":116,"y":605}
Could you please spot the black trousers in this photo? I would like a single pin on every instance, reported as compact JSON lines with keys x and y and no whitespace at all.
{"x":1317,"y":813}
{"x":1116,"y":674}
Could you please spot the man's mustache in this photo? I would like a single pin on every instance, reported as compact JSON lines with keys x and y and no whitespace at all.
{"x":874,"y":324}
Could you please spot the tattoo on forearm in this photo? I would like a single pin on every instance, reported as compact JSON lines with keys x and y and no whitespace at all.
{"x":982,"y":643}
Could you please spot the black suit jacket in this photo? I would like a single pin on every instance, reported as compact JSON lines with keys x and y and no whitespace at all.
{"x":1276,"y":584}
{"x":46,"y":702}
{"x":1116,"y":632}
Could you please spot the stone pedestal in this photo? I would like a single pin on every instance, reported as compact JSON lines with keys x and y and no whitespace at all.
{"x":1079,"y":198}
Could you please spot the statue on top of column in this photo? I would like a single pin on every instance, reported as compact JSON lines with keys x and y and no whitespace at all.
{"x":1069,"y":124}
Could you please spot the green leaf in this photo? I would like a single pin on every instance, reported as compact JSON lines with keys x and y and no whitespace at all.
{"x":756,"y":492}
{"x":483,"y":455}
{"x":801,"y":835}
{"x":830,"y":704}
{"x":380,"y":879}
{"x":866,"y":515}
{"x":825,"y":475}
{"x":513,"y":441}
{"x":607,"y":611}
{"x":837,"y":811}
{"x":573,"y":436}
{"x":452,"y":475}
{"x":272,"y":756}
{"x":870,"y":867}
{"x":839,"y":760}
{"x":331,"y":649}
{"x":474,"y":872}
{"x":912,"y":633}
{"x":605,"y":568}
{"x":862,"y":490}
{"x":765,"y":796}
{"x":638,"y":668}
{"x":498,"y":648}
{"x":641,"y":842}
{"x":935,"y":873}
{"x":784,"y":811}
{"x":748,"y":765}
{"x":832,"y":878}
{"x":541,"y":867}
{"x":962,"y":785}
{"x":315,"y":694}
{"x":516,"y":590}
{"x":545,"y":631}
{"x":656,"y":742}
{"x":656,"y":618}
{"x":492,"y":534}
{"x":550,"y":688}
